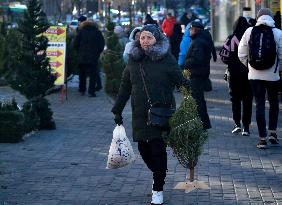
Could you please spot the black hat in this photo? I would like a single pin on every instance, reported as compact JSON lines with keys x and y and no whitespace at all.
{"x":82,"y":18}
{"x":196,"y":24}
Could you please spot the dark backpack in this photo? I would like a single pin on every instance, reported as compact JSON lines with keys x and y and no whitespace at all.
{"x":229,"y":50}
{"x":262,"y":48}
{"x":224,"y":52}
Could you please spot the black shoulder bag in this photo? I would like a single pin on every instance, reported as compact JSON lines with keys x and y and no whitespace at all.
{"x":158,"y":113}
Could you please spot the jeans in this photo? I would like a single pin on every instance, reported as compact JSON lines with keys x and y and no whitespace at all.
{"x":241,"y":97}
{"x":260,"y":88}
{"x":155,"y":157}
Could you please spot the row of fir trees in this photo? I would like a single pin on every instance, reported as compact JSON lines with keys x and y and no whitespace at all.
{"x":25,"y":66}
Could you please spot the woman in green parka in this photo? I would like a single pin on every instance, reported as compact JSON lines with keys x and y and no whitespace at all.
{"x":161,"y":75}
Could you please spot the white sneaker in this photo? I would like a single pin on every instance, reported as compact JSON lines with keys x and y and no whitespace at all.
{"x":157,"y":197}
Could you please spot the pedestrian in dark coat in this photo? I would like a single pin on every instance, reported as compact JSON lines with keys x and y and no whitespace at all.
{"x":184,"y":20}
{"x":239,"y":86}
{"x":175,"y":40}
{"x":89,"y":44}
{"x":197,"y":61}
{"x":161,"y":73}
{"x":150,"y":20}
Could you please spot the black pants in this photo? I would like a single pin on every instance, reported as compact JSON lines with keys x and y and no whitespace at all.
{"x":241,"y":96}
{"x":154,"y":155}
{"x":198,"y":94}
{"x":90,"y":70}
{"x":260,"y":88}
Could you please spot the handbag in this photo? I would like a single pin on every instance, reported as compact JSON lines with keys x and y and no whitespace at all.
{"x":158,"y":113}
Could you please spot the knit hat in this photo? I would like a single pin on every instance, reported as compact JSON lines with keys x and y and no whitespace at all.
{"x":118,"y":29}
{"x":196,"y":24}
{"x":265,"y":11}
{"x":153,"y":29}
{"x":82,"y":18}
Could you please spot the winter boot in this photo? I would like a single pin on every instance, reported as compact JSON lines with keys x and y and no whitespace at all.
{"x":157,"y":198}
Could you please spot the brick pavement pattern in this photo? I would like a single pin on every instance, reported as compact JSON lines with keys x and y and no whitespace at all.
{"x":66,"y":166}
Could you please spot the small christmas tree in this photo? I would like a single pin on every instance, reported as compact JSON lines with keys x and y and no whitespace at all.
{"x":112,"y":61}
{"x":30,"y":73}
{"x":187,"y":138}
{"x":11,"y":122}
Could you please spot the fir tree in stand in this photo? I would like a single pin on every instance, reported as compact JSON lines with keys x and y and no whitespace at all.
{"x":187,"y":138}
{"x":32,"y":74}
{"x":112,"y":60}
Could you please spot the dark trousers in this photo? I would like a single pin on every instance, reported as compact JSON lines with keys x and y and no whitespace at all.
{"x":197,"y":86}
{"x":90,"y":70}
{"x":155,"y":157}
{"x":98,"y":79}
{"x":260,"y":88}
{"x":241,"y":96}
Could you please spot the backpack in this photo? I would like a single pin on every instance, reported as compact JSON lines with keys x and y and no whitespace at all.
{"x":224,"y":52}
{"x":228,"y":52}
{"x":262,"y":48}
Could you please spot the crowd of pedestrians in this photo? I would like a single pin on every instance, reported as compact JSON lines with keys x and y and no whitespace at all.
{"x":154,"y":57}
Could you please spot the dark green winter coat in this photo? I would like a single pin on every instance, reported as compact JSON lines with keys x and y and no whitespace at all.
{"x":161,"y":76}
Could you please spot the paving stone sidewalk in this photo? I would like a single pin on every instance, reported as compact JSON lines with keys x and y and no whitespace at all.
{"x":66,"y":166}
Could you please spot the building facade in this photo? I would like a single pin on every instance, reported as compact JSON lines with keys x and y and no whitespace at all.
{"x":225,"y":12}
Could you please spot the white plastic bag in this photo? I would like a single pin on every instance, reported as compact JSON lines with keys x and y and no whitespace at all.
{"x":121,"y":152}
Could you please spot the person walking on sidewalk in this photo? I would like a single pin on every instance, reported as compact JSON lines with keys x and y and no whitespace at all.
{"x":197,"y":61}
{"x":239,"y":86}
{"x":175,"y":40}
{"x":149,"y":57}
{"x":89,"y":44}
{"x":261,"y":50}
{"x":168,"y":24}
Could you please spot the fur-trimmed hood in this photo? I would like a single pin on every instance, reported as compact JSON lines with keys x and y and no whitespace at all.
{"x":88,"y":25}
{"x":265,"y":20}
{"x":155,"y":52}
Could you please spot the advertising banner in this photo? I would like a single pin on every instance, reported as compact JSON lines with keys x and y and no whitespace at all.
{"x":56,"y":51}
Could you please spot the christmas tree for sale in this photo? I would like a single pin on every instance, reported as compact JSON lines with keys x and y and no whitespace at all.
{"x":11,"y":122}
{"x":31,"y":75}
{"x":186,"y":139}
{"x":112,"y":61}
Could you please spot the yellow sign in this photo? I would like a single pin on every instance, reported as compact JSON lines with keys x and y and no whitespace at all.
{"x":275,"y":6}
{"x":56,"y":34}
{"x":56,"y":52}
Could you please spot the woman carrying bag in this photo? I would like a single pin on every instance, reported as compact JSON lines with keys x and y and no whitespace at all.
{"x":149,"y":78}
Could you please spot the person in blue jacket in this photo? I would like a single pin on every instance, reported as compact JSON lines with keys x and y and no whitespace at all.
{"x":184,"y":45}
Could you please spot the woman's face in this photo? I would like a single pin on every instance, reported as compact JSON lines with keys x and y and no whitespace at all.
{"x":146,"y":39}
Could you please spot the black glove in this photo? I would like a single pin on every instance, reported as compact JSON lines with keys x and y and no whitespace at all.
{"x":118,"y":119}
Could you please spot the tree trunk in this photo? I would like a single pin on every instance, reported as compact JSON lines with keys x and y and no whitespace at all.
{"x":191,"y":174}
{"x":130,"y":15}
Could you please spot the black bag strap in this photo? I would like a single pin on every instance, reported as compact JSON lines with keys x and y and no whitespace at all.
{"x":277,"y":62}
{"x":142,"y":72}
